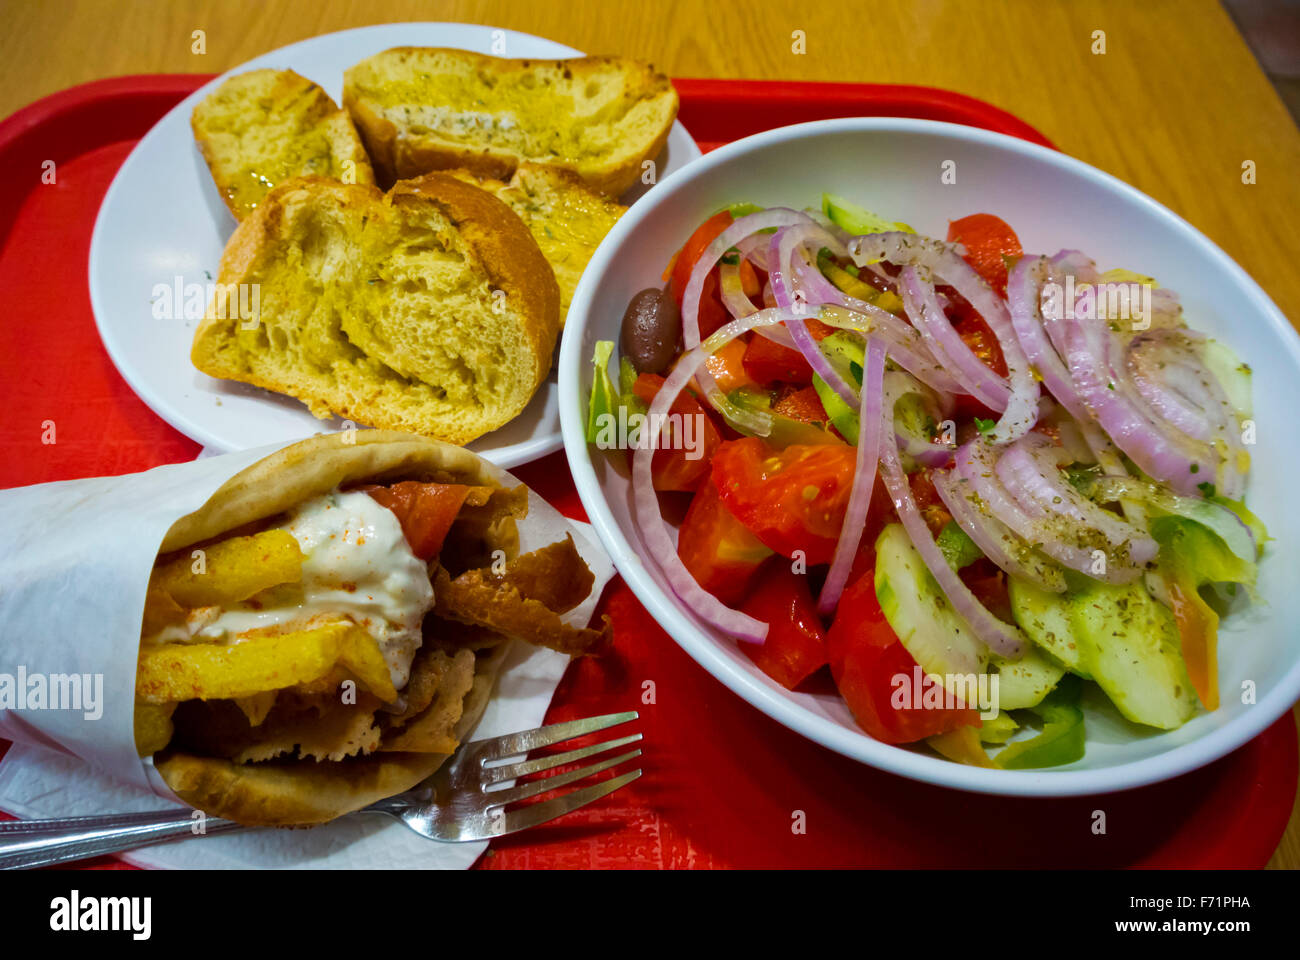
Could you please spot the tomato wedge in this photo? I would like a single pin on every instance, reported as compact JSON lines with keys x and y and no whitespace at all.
{"x":989,"y":244}
{"x":712,"y":313}
{"x":989,"y":584}
{"x":693,"y":249}
{"x":728,"y":368}
{"x":792,"y":499}
{"x":426,"y":511}
{"x":927,"y":500}
{"x":681,"y":468}
{"x":865,"y":656}
{"x":717,"y":549}
{"x":987,"y":239}
{"x":802,"y":405}
{"x":796,"y":642}
{"x":975,"y":333}
{"x":768,"y":362}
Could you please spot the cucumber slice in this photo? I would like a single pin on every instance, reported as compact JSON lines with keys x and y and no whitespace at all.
{"x":1119,"y":636}
{"x":1232,"y":374}
{"x":857,"y":220}
{"x":1023,"y":683}
{"x":1134,"y":654}
{"x":935,"y":636}
{"x":1045,"y":618}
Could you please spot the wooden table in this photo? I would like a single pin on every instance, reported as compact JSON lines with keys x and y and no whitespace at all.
{"x":1175,"y":105}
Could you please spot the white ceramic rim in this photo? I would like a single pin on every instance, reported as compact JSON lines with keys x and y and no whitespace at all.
{"x":705,"y":650}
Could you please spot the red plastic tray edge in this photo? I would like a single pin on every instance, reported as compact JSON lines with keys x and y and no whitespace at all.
{"x":796,"y":101}
{"x":811,"y":99}
{"x":161,"y":91}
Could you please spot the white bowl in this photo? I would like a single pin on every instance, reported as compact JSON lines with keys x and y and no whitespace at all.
{"x":893,"y":166}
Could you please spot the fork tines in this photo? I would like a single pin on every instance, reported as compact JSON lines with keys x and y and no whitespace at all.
{"x":518,"y":744}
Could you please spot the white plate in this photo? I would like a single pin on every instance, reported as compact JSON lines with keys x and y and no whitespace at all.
{"x":163,"y":218}
{"x":893,"y":166}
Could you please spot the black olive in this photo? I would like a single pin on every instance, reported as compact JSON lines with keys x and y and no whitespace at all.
{"x":652,"y":326}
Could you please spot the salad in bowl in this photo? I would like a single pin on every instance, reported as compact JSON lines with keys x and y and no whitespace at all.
{"x":973,"y":485}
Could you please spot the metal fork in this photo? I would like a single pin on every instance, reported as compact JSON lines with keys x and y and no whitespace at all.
{"x":467,"y":799}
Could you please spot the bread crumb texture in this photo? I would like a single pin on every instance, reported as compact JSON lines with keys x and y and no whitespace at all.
{"x":423,"y":108}
{"x":428,"y":309}
{"x":566,"y":218}
{"x":262,"y":128}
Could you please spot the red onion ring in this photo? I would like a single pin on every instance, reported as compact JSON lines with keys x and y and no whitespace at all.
{"x":1003,"y":638}
{"x":920,"y":448}
{"x":976,"y":463}
{"x":906,"y":249}
{"x":1146,"y":440}
{"x":781,"y":251}
{"x":732,"y":290}
{"x":1161,"y":368}
{"x":650,"y":520}
{"x":1077,"y":263}
{"x":1173,"y":384}
{"x":1150,"y":446}
{"x":907,"y":347}
{"x":928,"y":317}
{"x":908,"y":351}
{"x":992,"y":536}
{"x":1024,"y":297}
{"x":870,"y":420}
{"x":728,"y":238}
{"x":745,"y":226}
{"x":654,"y":530}
{"x":1028,"y":469}
{"x":754,"y":249}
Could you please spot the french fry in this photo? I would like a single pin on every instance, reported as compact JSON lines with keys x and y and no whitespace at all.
{"x":359,"y":660}
{"x":160,"y":610}
{"x":231,"y":570}
{"x":362,"y":656}
{"x":210,"y":671}
{"x":153,"y":727}
{"x":326,"y":684}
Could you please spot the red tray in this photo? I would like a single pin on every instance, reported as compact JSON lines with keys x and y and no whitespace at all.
{"x":722,"y":780}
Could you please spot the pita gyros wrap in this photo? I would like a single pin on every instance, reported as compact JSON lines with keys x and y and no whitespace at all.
{"x":283,"y":638}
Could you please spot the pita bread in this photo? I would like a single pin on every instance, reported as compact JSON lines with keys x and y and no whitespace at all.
{"x":302,"y":792}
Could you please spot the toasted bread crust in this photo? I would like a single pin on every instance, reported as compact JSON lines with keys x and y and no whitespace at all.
{"x":508,"y":253}
{"x":404,"y":153}
{"x":278,"y":793}
{"x":505,"y":249}
{"x":326,"y":140}
{"x":565,"y":216}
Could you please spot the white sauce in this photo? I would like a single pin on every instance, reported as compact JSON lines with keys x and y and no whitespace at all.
{"x":357,"y":564}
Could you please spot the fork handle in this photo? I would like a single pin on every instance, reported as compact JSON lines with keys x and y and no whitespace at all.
{"x":39,"y":843}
